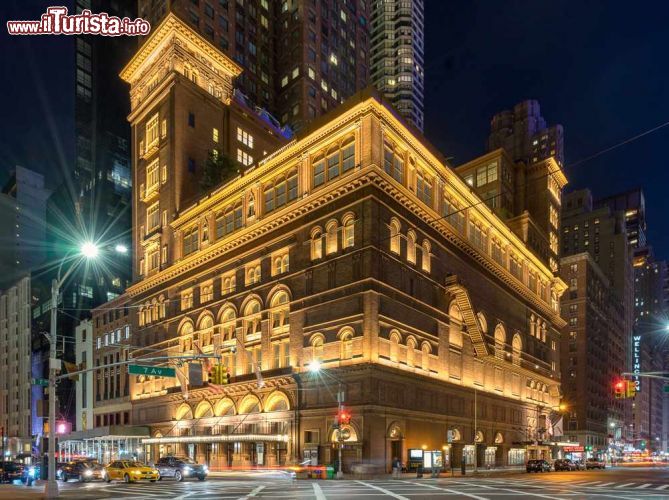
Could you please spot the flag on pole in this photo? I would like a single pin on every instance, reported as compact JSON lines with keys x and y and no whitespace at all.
{"x":183,"y":381}
{"x":558,"y":429}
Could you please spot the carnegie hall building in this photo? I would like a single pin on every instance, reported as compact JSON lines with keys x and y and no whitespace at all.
{"x":353,"y":248}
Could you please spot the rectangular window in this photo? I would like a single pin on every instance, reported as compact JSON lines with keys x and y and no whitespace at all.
{"x":393,"y":164}
{"x":319,"y":172}
{"x":244,"y":137}
{"x":191,"y":119}
{"x":424,"y":188}
{"x":152,"y":176}
{"x":214,"y":134}
{"x":153,"y":257}
{"x":153,"y":217}
{"x":152,"y":131}
{"x":244,"y":158}
{"x":453,"y":214}
{"x":348,"y":157}
{"x":190,"y":240}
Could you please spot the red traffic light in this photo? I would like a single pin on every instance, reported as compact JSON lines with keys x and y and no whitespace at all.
{"x":344,"y":417}
{"x":620,"y":385}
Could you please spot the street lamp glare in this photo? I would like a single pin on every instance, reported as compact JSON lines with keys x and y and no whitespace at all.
{"x":89,"y":250}
{"x":315,"y":366}
{"x":120,"y":248}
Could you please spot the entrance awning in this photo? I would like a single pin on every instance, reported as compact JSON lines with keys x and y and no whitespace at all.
{"x":225,"y":438}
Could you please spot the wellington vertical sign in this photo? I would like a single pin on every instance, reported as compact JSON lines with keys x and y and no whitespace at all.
{"x":636,"y":360}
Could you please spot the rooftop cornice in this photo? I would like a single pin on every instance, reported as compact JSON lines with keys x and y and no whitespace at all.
{"x":171,"y":25}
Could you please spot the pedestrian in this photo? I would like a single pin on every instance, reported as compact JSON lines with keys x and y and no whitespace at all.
{"x":397,"y":468}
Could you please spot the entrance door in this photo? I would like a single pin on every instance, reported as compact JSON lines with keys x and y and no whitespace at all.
{"x":395,"y":451}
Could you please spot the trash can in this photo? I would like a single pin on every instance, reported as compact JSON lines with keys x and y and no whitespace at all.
{"x":329,"y":472}
{"x":419,"y":471}
{"x":316,"y":474}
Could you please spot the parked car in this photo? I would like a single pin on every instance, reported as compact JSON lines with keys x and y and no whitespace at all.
{"x":565,"y":464}
{"x":595,"y":463}
{"x":130,"y":471}
{"x":10,"y":471}
{"x":30,"y":474}
{"x":181,"y":468}
{"x":81,"y":470}
{"x":580,"y":464}
{"x":538,"y":466}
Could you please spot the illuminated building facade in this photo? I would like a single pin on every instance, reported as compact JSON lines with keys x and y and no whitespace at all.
{"x":355,"y":248}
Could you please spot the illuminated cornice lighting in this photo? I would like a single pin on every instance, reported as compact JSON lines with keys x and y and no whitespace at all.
{"x":226,"y":438}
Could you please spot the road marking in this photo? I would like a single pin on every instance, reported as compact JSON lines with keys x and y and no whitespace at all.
{"x":606,"y":484}
{"x":318,"y":492}
{"x":448,"y":490}
{"x":518,"y":492}
{"x":383,"y":490}
{"x":644,"y":486}
{"x":254,"y":492}
{"x":589,"y":483}
{"x":662,"y":487}
{"x":624,"y":485}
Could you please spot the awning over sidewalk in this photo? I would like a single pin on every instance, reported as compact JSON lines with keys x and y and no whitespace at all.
{"x":224,"y":438}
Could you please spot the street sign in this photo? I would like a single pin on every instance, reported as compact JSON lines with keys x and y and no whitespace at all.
{"x":156,"y":371}
{"x":39,"y":381}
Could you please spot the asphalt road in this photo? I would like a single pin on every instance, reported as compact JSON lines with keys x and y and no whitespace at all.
{"x":618,"y":483}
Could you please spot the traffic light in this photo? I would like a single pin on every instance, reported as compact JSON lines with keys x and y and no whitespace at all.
{"x":343,"y":417}
{"x":619,"y":389}
{"x":218,"y":375}
{"x":630,"y":389}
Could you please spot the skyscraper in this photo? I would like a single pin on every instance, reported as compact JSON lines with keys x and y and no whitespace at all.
{"x":525,"y":134}
{"x":300,"y":58}
{"x":396,"y":55}
{"x":23,"y":202}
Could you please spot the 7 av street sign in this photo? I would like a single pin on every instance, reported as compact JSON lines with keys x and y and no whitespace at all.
{"x":156,"y":371}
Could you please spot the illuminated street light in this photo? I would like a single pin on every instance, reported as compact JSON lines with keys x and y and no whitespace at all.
{"x":612,"y":425}
{"x":120,"y":248}
{"x":315,"y":366}
{"x":90,"y":250}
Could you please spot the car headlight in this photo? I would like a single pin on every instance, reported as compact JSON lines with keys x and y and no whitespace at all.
{"x":205,"y":468}
{"x":88,"y":473}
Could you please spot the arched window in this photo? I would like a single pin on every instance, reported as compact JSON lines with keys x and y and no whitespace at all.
{"x":253,"y":274}
{"x":517,"y":347}
{"x":140,"y":316}
{"x":411,"y":352}
{"x":228,"y":322}
{"x":317,"y":348}
{"x":280,"y":191}
{"x":154,"y":310}
{"x":331,"y":244}
{"x":411,"y":246}
{"x":348,"y":236}
{"x":425,"y":361}
{"x":346,"y":337}
{"x":533,"y":325}
{"x":316,"y":243}
{"x":500,"y":341}
{"x":395,"y":230}
{"x":252,"y":318}
{"x":186,"y":337}
{"x":206,"y":329}
{"x":543,"y":331}
{"x":395,"y":339}
{"x":251,"y":212}
{"x":427,"y":263}
{"x":280,"y":312}
{"x":455,"y":325}
{"x":162,"y":313}
{"x":228,"y":284}
{"x":147,"y":313}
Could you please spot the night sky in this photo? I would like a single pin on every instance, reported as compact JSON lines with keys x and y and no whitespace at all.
{"x":598,"y":68}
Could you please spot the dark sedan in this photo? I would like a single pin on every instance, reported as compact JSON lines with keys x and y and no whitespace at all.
{"x":181,"y":468}
{"x":538,"y":466}
{"x":81,"y":470}
{"x":9,"y":471}
{"x":565,"y":464}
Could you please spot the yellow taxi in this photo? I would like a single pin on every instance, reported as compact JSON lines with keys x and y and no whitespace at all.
{"x":130,"y":471}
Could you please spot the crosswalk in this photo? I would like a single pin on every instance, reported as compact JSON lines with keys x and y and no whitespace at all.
{"x":590,"y":484}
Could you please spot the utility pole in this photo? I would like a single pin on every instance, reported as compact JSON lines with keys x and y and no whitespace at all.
{"x":51,"y":490}
{"x":476,"y":450}
{"x":340,"y":401}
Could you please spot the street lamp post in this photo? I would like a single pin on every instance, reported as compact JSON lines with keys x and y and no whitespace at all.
{"x":89,"y":251}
